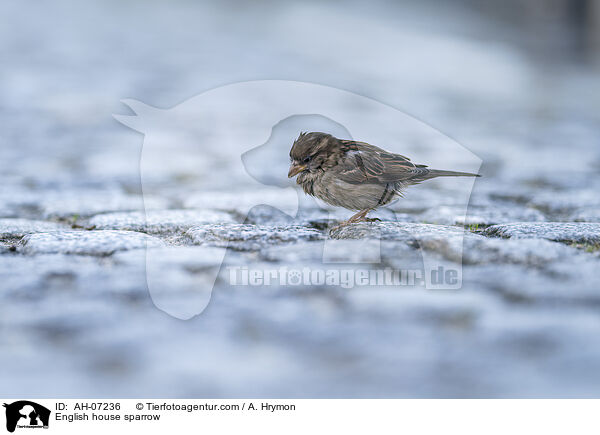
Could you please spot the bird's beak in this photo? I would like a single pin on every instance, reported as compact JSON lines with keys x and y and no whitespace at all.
{"x":295,"y":169}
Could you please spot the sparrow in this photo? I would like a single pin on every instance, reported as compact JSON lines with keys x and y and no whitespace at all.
{"x":355,"y":175}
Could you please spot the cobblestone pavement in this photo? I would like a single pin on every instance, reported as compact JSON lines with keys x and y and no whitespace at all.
{"x":76,"y":317}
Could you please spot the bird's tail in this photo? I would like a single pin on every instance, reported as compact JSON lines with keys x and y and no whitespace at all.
{"x":433,"y":173}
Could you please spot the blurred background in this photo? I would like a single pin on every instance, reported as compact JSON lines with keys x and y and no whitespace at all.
{"x":516,"y":82}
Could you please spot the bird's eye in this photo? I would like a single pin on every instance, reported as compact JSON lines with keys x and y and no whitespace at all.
{"x":306,"y":160}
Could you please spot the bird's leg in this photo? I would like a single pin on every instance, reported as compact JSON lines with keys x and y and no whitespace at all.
{"x":358,"y":217}
{"x":361,"y":216}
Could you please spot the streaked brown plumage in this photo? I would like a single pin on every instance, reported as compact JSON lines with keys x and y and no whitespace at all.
{"x":355,"y":175}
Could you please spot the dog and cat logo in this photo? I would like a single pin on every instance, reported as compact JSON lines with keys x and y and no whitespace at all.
{"x":24,"y":414}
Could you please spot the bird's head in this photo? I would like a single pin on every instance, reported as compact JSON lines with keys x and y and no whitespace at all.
{"x":311,"y":152}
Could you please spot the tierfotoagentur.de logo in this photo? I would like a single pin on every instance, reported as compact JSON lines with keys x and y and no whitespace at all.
{"x":25,"y":414}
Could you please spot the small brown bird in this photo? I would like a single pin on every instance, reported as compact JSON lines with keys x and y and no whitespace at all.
{"x":355,"y":175}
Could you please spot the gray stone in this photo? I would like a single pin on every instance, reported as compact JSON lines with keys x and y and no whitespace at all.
{"x":180,"y":280}
{"x":190,"y":258}
{"x":250,"y":237}
{"x":317,"y":217}
{"x":240,"y":201}
{"x":481,"y":215}
{"x":568,"y":232}
{"x":266,"y":215}
{"x":308,"y":251}
{"x":85,"y":203}
{"x":404,"y":231}
{"x":586,"y":214}
{"x":103,"y":242}
{"x":17,"y":202}
{"x":565,"y":201}
{"x":419,"y":199}
{"x":548,"y":284}
{"x":350,"y":251}
{"x":15,"y":228}
{"x":42,"y":274}
{"x":481,"y":250}
{"x":158,"y":221}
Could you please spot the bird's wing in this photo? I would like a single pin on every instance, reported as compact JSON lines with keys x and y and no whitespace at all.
{"x":364,"y":163}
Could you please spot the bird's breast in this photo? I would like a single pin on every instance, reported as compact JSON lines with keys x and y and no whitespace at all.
{"x":339,"y":193}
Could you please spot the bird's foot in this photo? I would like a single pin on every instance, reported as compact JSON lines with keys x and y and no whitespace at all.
{"x":357,"y":218}
{"x":361,"y":216}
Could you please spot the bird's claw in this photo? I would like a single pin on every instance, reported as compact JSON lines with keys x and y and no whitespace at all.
{"x":351,"y":221}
